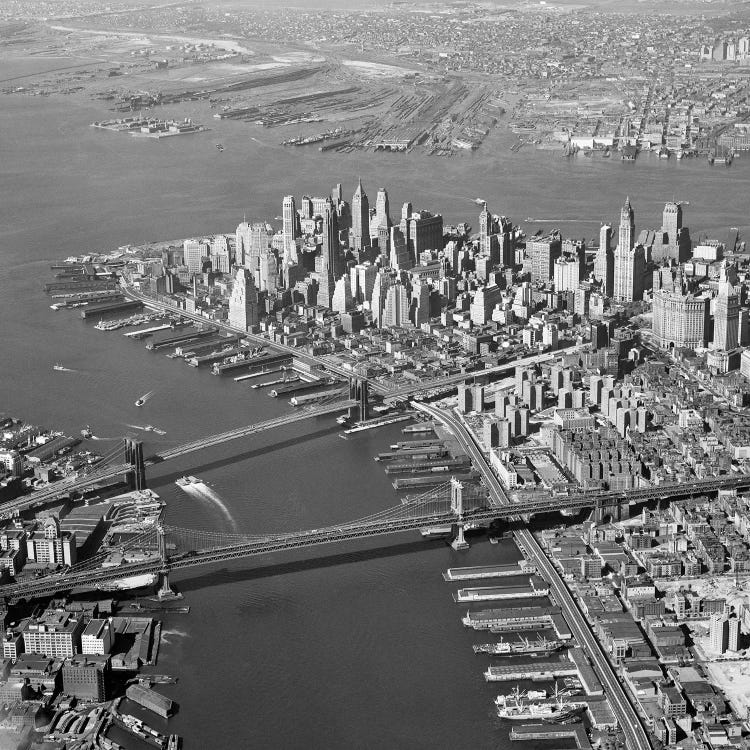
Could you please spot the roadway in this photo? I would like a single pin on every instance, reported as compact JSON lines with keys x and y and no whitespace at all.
{"x":635,"y":735}
{"x":69,"y":484}
{"x":240,"y":432}
{"x":535,"y":359}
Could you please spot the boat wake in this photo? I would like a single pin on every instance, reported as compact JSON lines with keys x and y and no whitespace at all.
{"x":60,"y":368}
{"x":203,"y":492}
{"x":167,"y":634}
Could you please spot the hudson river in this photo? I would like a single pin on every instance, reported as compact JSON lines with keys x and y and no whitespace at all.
{"x":356,"y":646}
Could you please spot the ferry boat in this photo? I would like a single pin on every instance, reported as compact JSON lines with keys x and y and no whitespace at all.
{"x":184,"y":481}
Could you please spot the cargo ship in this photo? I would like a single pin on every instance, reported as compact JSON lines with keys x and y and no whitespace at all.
{"x":542,"y":646}
{"x":518,"y":707}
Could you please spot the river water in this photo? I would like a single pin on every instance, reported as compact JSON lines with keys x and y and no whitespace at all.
{"x":356,"y":646}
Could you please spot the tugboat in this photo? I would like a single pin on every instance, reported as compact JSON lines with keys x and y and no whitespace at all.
{"x":86,"y":432}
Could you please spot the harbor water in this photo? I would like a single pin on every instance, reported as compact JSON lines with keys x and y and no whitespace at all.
{"x":347,"y":646}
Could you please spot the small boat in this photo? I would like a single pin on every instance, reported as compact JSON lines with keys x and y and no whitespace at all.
{"x":60,"y":368}
{"x":86,"y":432}
{"x":219,"y":147}
{"x":145,"y":397}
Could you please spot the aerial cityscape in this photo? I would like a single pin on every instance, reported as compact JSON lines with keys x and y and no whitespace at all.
{"x":403,"y":402}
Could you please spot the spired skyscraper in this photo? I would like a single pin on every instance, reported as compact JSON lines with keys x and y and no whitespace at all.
{"x":626,"y":238}
{"x":360,"y":232}
{"x":330,"y":265}
{"x":244,"y":310}
{"x":726,"y":315}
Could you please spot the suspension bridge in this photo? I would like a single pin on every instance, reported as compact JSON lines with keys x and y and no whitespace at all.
{"x":169,"y":548}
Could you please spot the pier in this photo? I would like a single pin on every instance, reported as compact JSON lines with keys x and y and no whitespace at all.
{"x":537,"y":588}
{"x":111,"y":307}
{"x":575,"y":732}
{"x":539,"y":671}
{"x":488,"y":571}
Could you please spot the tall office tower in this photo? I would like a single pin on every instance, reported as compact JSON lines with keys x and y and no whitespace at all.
{"x":406,"y":210}
{"x":360,"y":220}
{"x":244,"y":310}
{"x":680,"y":320}
{"x":484,"y":302}
{"x":331,"y":265}
{"x":743,"y":47}
{"x":485,"y":230}
{"x":543,"y":252}
{"x":337,"y":194}
{"x":630,"y":266}
{"x":268,"y":273}
{"x":383,"y":208}
{"x":363,"y":280}
{"x":419,"y":310}
{"x":380,"y":227}
{"x":261,"y":235}
{"x":290,"y":229}
{"x":220,"y":254}
{"x":506,"y":250}
{"x":342,"y":296}
{"x":604,"y":263}
{"x":396,"y":308}
{"x":719,"y":633}
{"x":726,"y":315}
{"x":425,"y":232}
{"x":626,"y":237}
{"x":567,"y":273}
{"x":400,"y":257}
{"x":377,"y":300}
{"x":241,"y":243}
{"x":195,"y":252}
{"x":307,"y":207}
{"x":319,"y":206}
{"x":672,"y":222}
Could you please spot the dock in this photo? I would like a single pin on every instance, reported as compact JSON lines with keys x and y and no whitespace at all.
{"x":414,"y":467}
{"x":488,"y":571}
{"x":259,"y":365}
{"x":538,"y":671}
{"x":537,"y":588}
{"x":175,"y":338}
{"x":519,"y":618}
{"x":81,"y":286}
{"x":575,"y":732}
{"x":143,"y":332}
{"x":404,"y":483}
{"x":111,"y":307}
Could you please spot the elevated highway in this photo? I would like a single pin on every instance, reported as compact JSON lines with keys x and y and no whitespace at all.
{"x":627,"y":717}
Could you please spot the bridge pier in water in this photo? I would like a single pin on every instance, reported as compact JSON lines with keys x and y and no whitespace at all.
{"x":134,"y":456}
{"x":164,"y":591}
{"x":457,"y":506}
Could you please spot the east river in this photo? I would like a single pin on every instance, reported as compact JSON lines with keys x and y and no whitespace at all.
{"x":356,"y":646}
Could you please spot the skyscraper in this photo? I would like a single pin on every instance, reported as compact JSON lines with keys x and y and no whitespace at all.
{"x":360,"y":219}
{"x":330,"y":266}
{"x":396,"y":308}
{"x":604,"y":264}
{"x":290,"y":229}
{"x":719,"y":633}
{"x":244,"y":311}
{"x":630,"y":266}
{"x":726,"y":315}
{"x":543,"y":251}
{"x":424,"y":232}
{"x":672,"y":222}
{"x":380,"y":228}
{"x":195,"y":252}
{"x":379,"y":292}
{"x":626,"y":237}
{"x":485,"y":230}
{"x":342,"y":296}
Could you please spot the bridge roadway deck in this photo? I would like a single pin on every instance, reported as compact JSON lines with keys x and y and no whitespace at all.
{"x":635,"y":735}
{"x":241,"y":432}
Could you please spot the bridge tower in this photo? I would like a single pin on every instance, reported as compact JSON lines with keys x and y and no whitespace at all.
{"x":457,"y":506}
{"x":358,"y":392}
{"x":165,"y":590}
{"x":134,"y":456}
